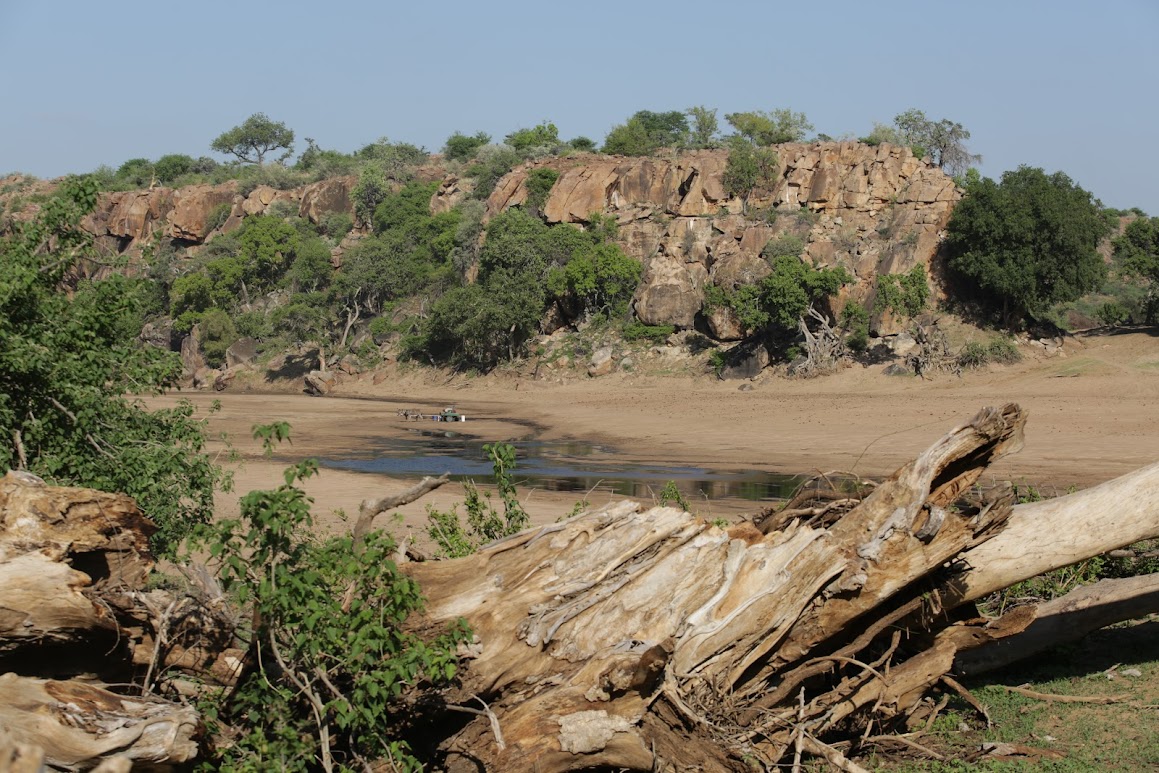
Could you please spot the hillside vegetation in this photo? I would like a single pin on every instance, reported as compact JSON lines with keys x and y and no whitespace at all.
{"x":740,"y":251}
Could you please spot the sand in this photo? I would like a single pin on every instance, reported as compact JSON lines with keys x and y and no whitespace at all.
{"x":1094,"y":414}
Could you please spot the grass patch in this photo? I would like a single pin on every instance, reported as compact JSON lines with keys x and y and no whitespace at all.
{"x":1118,"y":736}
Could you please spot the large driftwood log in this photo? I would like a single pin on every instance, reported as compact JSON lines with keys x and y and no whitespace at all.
{"x":78,"y":724}
{"x":612,"y":638}
{"x":65,"y":555}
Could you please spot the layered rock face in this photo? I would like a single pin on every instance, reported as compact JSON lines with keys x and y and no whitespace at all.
{"x":127,"y":221}
{"x":873,"y":210}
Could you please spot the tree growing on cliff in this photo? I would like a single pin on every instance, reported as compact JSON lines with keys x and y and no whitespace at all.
{"x":702,"y":134}
{"x":253,"y":139}
{"x":944,"y":140}
{"x":646,"y":131}
{"x":749,"y":168}
{"x":70,"y":365}
{"x":1027,"y":242}
{"x":770,"y":128}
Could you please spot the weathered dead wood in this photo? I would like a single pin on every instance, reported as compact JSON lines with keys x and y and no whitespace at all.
{"x":77,"y":724}
{"x":1029,"y":629}
{"x":65,"y":553}
{"x":1053,"y":533}
{"x":617,"y":632}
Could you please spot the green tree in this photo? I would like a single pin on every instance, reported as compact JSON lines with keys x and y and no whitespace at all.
{"x":646,"y":131}
{"x":771,"y":128}
{"x":601,"y":277}
{"x":169,"y":168}
{"x":704,"y":127}
{"x":71,"y":370}
{"x":254,"y":138}
{"x":218,"y":333}
{"x":460,"y":147}
{"x":1027,"y":242}
{"x":749,"y":168}
{"x":944,"y":141}
{"x":545,"y":135}
{"x":1137,"y":254}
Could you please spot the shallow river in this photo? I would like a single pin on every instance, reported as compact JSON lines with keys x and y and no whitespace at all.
{"x":555,"y":466}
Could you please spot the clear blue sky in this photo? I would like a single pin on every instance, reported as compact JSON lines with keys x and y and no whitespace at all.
{"x":1061,"y":84}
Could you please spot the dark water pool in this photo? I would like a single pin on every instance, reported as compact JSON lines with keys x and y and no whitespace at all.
{"x":558,"y":466}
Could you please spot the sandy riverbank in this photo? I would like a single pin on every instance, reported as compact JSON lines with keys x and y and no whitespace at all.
{"x":1094,"y":414}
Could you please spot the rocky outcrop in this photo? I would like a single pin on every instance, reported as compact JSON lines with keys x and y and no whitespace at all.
{"x":189,"y":219}
{"x":128,"y":221}
{"x":322,"y":198}
{"x":872,"y":210}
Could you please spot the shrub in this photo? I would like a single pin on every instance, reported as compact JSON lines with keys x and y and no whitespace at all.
{"x":786,"y":245}
{"x":336,"y":225}
{"x":903,"y":294}
{"x":460,"y":147}
{"x":218,"y":333}
{"x":523,"y":141}
{"x":484,"y":523}
{"x":1003,"y":351}
{"x":637,"y":331}
{"x":355,"y":659}
{"x":855,"y":323}
{"x":491,"y":163}
{"x":1112,"y":313}
{"x":539,"y":184}
{"x":169,"y":168}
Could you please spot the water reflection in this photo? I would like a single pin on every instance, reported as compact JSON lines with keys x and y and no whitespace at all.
{"x":567,"y":466}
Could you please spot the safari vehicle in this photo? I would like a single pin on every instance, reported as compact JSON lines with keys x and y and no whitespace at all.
{"x":450,"y":414}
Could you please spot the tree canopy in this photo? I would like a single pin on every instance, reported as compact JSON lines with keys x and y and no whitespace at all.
{"x":254,"y":138}
{"x":1137,"y":254}
{"x":646,"y":131}
{"x":1027,"y":242}
{"x":70,"y":367}
{"x":943,"y":140}
{"x":771,"y":128}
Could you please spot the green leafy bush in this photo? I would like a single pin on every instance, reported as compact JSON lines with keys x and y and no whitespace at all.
{"x":903,"y":294}
{"x":460,"y":147}
{"x":855,"y":323}
{"x":484,"y":523}
{"x":334,"y":660}
{"x":524,"y":141}
{"x":217,"y":216}
{"x":638,"y":331}
{"x":218,"y":333}
{"x":71,"y":371}
{"x":539,"y":184}
{"x":786,"y":245}
{"x":976,"y":354}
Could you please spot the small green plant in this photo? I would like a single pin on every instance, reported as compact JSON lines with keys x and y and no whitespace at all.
{"x":786,"y":245}
{"x":1112,"y":313}
{"x":484,"y":523}
{"x":999,"y":350}
{"x":671,"y":494}
{"x":717,"y":361}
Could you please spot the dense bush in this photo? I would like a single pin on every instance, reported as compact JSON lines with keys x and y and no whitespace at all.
{"x":1027,"y":242}
{"x":460,"y":147}
{"x":71,"y":368}
{"x":539,"y":184}
{"x":645,"y":132}
{"x":903,"y":294}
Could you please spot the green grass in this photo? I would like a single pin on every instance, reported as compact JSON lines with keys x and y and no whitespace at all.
{"x":1091,"y":737}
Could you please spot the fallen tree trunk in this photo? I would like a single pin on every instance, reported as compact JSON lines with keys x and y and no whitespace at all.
{"x":1027,"y":630}
{"x":78,"y":724}
{"x":619,"y":636}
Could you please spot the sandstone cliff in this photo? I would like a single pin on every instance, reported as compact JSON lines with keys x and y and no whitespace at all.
{"x":873,"y":210}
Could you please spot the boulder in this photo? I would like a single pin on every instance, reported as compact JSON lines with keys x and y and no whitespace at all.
{"x":902,"y":343}
{"x":193,"y":206}
{"x":241,"y":353}
{"x":133,"y":214}
{"x":192,"y":360}
{"x":745,"y":361}
{"x":601,"y":363}
{"x":205,"y":378}
{"x":671,"y":292}
{"x":321,"y":198}
{"x":724,"y":324}
{"x":158,"y":333}
{"x":319,"y":383}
